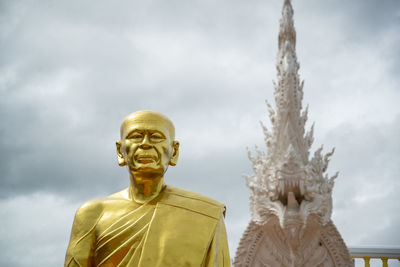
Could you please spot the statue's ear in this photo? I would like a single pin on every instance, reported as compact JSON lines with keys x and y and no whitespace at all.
{"x":175,"y":154}
{"x":121,"y":159}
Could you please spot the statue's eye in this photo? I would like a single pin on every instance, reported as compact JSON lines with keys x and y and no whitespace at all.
{"x":156,"y":137}
{"x":135,"y":136}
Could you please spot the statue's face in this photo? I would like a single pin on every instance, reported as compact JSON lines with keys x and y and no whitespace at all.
{"x":147,"y":148}
{"x":147,"y":144}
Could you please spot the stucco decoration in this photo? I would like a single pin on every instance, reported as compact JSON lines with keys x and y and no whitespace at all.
{"x":290,"y":194}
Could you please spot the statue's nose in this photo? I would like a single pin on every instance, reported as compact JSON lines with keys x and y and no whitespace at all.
{"x":145,"y":143}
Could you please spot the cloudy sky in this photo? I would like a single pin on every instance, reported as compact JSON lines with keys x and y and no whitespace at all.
{"x":70,"y":71}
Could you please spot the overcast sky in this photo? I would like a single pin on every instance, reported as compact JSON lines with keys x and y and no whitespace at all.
{"x":70,"y":71}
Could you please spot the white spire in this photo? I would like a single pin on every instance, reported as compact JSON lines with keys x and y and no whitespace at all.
{"x":286,"y":166}
{"x":290,"y":195}
{"x":288,"y":123}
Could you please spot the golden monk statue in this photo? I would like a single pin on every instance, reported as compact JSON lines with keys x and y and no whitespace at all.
{"x":149,"y":224}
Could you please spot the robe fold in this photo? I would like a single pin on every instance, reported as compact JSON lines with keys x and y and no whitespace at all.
{"x":178,"y":228}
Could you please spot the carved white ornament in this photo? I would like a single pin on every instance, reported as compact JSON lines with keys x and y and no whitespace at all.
{"x":290,"y":195}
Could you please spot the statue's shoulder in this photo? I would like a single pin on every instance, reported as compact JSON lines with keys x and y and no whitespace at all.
{"x":86,"y":218}
{"x":95,"y":208}
{"x":90,"y":210}
{"x":193,"y":201}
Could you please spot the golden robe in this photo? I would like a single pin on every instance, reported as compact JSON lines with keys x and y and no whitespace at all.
{"x":178,"y":228}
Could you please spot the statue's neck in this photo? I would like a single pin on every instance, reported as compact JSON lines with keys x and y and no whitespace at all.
{"x":144,"y":189}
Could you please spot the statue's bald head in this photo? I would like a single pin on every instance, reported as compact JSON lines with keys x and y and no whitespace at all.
{"x":147,"y":119}
{"x":147,"y":147}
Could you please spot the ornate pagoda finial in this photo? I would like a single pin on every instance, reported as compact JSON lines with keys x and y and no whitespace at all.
{"x":290,"y":195}
{"x":287,"y":31}
{"x":289,"y":122}
{"x":286,"y":166}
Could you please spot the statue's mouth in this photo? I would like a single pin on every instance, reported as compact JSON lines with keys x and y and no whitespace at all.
{"x":145,"y":159}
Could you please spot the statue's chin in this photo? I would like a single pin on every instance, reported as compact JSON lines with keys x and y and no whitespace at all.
{"x":147,"y":173}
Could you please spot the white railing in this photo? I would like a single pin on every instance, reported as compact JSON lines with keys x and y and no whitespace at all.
{"x":383,"y":253}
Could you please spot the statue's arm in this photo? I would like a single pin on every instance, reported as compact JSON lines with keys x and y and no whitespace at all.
{"x":81,"y":245}
{"x":218,"y":252}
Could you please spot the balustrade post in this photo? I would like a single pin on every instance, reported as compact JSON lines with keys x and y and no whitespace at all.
{"x":384,"y":261}
{"x":366,"y":261}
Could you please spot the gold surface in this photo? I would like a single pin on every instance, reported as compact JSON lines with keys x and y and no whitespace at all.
{"x":149,"y":224}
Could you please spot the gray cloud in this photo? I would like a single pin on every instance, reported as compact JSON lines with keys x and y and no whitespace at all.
{"x":367,"y":162}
